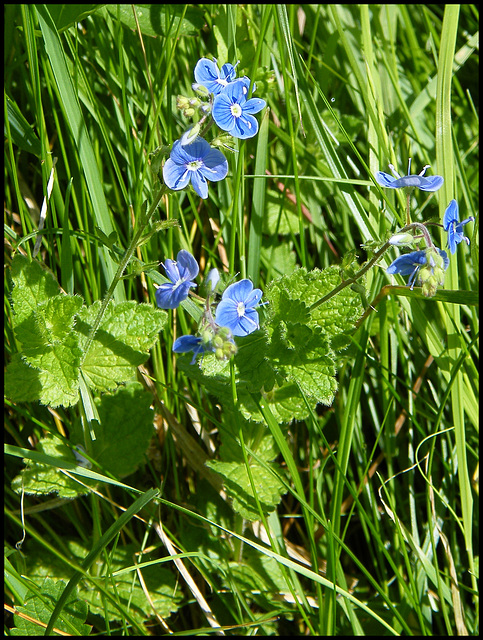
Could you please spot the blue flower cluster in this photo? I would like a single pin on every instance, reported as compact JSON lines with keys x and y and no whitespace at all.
{"x":235,"y":315}
{"x":425,"y":267}
{"x":192,"y":159}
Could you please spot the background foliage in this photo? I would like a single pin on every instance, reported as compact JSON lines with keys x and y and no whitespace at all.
{"x":341,"y":498}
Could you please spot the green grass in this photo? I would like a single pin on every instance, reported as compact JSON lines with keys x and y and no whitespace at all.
{"x":372,"y":524}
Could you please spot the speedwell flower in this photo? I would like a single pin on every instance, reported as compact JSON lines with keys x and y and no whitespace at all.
{"x":181,"y":272}
{"x":232,"y":112}
{"x":453,"y":227}
{"x":236,"y":310}
{"x":208,"y":75}
{"x":195,"y":163}
{"x":426,"y":266}
{"x":431,"y":183}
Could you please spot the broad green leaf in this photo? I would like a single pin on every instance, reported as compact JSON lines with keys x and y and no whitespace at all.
{"x":126,"y":333}
{"x":22,"y":382}
{"x":65,"y":15}
{"x":127,"y":427}
{"x":50,"y":376}
{"x":41,"y":479}
{"x":40,"y":606}
{"x":33,"y":285}
{"x":58,"y":370}
{"x":49,"y":325}
{"x":238,"y":487}
{"x":159,"y":19}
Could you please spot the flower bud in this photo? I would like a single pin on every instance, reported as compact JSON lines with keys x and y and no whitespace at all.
{"x":182,"y":102}
{"x":200,"y":90}
{"x":212,"y":280}
{"x":432,"y":273}
{"x":207,"y":336}
{"x":190,"y":135}
{"x":401,"y":239}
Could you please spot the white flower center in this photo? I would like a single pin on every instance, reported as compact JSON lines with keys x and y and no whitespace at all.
{"x":240,"y":309}
{"x":194,"y":165}
{"x":236,"y":110}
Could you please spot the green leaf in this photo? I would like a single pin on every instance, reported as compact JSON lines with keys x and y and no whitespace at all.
{"x":127,"y":427}
{"x":161,"y":584}
{"x":58,"y":370}
{"x":70,"y":108}
{"x":42,"y":479}
{"x":159,"y":19}
{"x":238,"y":487}
{"x":22,"y":382}
{"x":40,"y":606}
{"x":49,"y":325}
{"x":126,"y":333}
{"x":33,"y":285}
{"x":21,"y":131}
{"x":65,"y":15}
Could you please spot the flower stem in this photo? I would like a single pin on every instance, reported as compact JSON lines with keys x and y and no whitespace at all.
{"x":142,"y":223}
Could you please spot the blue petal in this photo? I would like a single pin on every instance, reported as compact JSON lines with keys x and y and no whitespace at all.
{"x":385,"y":180}
{"x":254,"y":298}
{"x":197,"y":150}
{"x":247,"y":324}
{"x":172,"y":271}
{"x":199,"y":184}
{"x":208,"y":74}
{"x":227,"y":314}
{"x":450,"y":215}
{"x":184,"y":344}
{"x":164,"y":296}
{"x":238,"y":291}
{"x":228,"y":72}
{"x":235,"y":91}
{"x":406,"y":263}
{"x":180,"y":293}
{"x":246,"y":126}
{"x":175,"y":176}
{"x":254,"y":105}
{"x":222,"y":114}
{"x":187,"y":265}
{"x":189,"y":343}
{"x":431,"y":183}
{"x":215,"y":166}
{"x":452,"y":237}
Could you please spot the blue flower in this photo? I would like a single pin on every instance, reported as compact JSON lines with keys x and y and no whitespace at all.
{"x":190,"y":343}
{"x":195,"y":163}
{"x":208,"y":75}
{"x":433,"y":183}
{"x":428,"y":266}
{"x":453,"y":227}
{"x":181,"y":272}
{"x":236,"y":310}
{"x":232,"y":112}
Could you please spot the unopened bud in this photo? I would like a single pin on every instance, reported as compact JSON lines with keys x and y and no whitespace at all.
{"x":401,"y":239}
{"x":190,"y":135}
{"x":200,"y":89}
{"x":182,"y":102}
